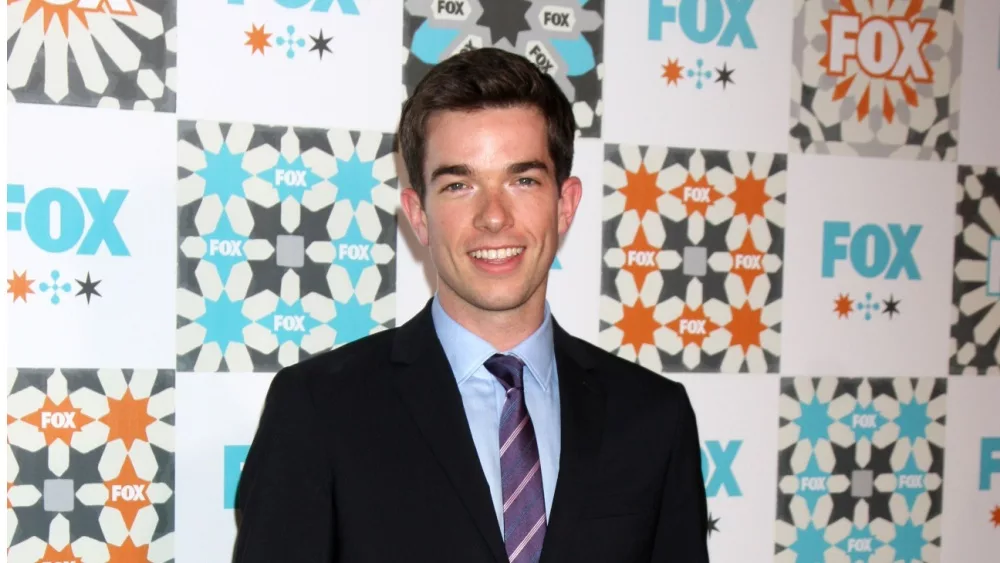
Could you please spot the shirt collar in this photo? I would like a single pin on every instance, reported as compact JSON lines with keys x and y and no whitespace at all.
{"x":466,"y":352}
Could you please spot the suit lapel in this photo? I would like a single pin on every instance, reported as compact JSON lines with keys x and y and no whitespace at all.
{"x":428,"y":388}
{"x":582,"y":412}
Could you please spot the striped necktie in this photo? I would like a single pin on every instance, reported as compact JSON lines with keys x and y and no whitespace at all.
{"x":520,"y":468}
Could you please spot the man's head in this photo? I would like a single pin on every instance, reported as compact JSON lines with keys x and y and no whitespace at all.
{"x":487,"y":141}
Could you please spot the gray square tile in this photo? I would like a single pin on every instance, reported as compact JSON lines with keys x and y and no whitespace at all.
{"x":57,"y":495}
{"x":862,"y":483}
{"x":291,"y":252}
{"x":695,"y":260}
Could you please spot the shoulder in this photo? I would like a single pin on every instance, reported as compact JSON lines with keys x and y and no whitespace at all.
{"x":625,"y":381}
{"x":340,"y":367}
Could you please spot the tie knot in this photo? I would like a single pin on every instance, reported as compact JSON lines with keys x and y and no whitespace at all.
{"x":508,"y":369}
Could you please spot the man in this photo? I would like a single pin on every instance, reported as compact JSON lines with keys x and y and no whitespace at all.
{"x":480,"y":430}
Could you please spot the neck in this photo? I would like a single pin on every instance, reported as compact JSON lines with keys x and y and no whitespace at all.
{"x":502,"y":329}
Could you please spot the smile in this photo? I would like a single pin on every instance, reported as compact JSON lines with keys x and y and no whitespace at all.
{"x":497,"y":253}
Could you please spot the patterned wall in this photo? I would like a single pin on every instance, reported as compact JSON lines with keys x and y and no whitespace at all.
{"x":791,"y":206}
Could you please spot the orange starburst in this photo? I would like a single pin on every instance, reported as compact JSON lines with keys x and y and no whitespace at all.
{"x":258,"y":39}
{"x":748,"y":262}
{"x":995,"y":516}
{"x":641,"y":191}
{"x":640,"y":258}
{"x":128,"y":493}
{"x":843,"y":306}
{"x":61,"y":11}
{"x":127,"y":552}
{"x":58,"y":422}
{"x":20,"y":286}
{"x":745,"y":327}
{"x":65,"y":554}
{"x":107,"y":7}
{"x":904,"y":80}
{"x":127,"y":419}
{"x":697,"y":195}
{"x":750,"y":196}
{"x":638,"y":326}
{"x":672,"y":71}
{"x":692,"y":326}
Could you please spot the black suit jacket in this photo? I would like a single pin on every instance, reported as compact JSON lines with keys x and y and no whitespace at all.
{"x":364,"y":454}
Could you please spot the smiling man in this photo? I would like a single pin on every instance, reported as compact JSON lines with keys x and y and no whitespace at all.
{"x":480,"y":430}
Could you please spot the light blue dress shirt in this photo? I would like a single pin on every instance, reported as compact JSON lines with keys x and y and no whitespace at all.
{"x":483,"y":396}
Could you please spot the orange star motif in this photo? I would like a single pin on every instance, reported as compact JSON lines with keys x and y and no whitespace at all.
{"x":58,"y":422}
{"x":748,"y":262}
{"x":995,"y":516}
{"x":63,"y":555}
{"x":672,"y":72}
{"x":640,"y":258}
{"x":61,"y":11}
{"x":745,"y":327}
{"x":697,"y":195}
{"x":750,"y":196}
{"x":20,"y":286}
{"x":638,"y":326}
{"x":128,"y":419}
{"x":258,"y":39}
{"x":128,"y":493}
{"x":127,"y":552}
{"x":692,"y":326}
{"x":641,"y":191}
{"x":843,"y":306}
{"x":105,"y":6}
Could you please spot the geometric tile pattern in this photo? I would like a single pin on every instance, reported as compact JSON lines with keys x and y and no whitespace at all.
{"x":860,"y":469}
{"x":877,"y":79}
{"x":287,"y":243}
{"x":90,"y":470}
{"x":93,"y":53}
{"x":692,"y":258}
{"x":565,"y":38}
{"x":975,"y":327}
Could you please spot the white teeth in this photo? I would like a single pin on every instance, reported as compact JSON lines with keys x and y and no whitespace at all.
{"x":496,"y":253}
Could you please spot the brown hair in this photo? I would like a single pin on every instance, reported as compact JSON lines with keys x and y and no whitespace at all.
{"x":481,"y":79}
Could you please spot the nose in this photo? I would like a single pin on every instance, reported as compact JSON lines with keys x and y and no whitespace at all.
{"x":494,"y":213}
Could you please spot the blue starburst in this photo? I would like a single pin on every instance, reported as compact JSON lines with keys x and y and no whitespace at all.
{"x":227,"y":250}
{"x":909,"y":542}
{"x":55,"y":287}
{"x":353,"y":252}
{"x":810,"y":545}
{"x":908,"y":491}
{"x":860,"y":545}
{"x":353,"y":321}
{"x":224,"y":321}
{"x":812,"y":472}
{"x":814,"y":422}
{"x":701,"y":73}
{"x":913,"y":420}
{"x":284,"y":322}
{"x":354,"y":180}
{"x":864,"y":431}
{"x":295,"y":178}
{"x":224,"y":174}
{"x":291,"y":41}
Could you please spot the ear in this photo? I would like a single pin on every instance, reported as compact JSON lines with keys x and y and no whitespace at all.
{"x":569,"y":201}
{"x":414,"y":211}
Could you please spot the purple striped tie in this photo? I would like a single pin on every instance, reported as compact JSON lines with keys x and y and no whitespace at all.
{"x":520,"y":469}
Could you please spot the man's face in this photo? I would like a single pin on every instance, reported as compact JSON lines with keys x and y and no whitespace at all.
{"x":492,"y":213}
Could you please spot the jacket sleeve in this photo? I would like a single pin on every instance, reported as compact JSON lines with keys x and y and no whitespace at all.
{"x":681,"y":532}
{"x":284,"y":500}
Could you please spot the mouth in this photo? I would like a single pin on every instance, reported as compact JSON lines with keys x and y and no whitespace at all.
{"x":497,"y":254}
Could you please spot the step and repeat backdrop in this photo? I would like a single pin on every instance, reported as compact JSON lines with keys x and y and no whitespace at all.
{"x":791,"y":206}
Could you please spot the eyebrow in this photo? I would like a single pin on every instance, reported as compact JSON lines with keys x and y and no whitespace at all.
{"x":463,"y":170}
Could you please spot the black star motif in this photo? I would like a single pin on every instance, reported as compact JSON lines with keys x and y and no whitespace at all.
{"x":712,"y":524}
{"x":321,"y":44}
{"x":891,"y":307}
{"x":725,"y":75}
{"x":505,"y":19}
{"x":88,"y":288}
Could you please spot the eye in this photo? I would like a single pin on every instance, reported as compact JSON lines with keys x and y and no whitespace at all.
{"x":527,"y":181}
{"x":453,"y":187}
